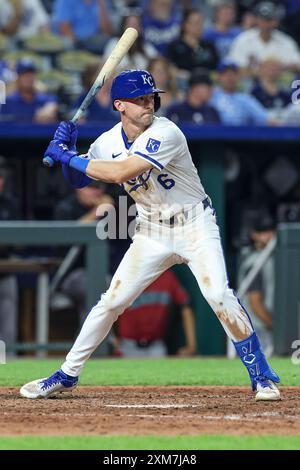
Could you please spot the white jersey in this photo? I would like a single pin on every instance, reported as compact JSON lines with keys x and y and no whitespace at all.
{"x":172,"y":183}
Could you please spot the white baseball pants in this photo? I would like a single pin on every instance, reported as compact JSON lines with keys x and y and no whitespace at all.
{"x":156,"y":248}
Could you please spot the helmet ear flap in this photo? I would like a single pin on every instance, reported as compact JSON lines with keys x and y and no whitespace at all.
{"x":157,"y":102}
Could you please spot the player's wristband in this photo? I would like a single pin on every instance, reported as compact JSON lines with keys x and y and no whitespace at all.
{"x":79,"y":163}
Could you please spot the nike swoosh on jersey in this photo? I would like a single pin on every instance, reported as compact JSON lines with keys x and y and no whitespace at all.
{"x":116,"y":155}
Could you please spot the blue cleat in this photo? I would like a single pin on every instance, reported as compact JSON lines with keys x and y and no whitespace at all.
{"x":43,"y":388}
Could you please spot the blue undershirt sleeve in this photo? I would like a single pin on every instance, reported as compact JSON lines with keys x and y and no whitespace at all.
{"x":76,"y":178}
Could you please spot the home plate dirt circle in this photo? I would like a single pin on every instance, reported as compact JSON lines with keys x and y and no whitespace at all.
{"x":166,"y":410}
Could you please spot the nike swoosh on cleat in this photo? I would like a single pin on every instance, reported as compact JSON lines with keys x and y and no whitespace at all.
{"x":115,"y":156}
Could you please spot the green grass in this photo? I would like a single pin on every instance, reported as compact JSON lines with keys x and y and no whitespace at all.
{"x":170,"y":371}
{"x":212,"y":442}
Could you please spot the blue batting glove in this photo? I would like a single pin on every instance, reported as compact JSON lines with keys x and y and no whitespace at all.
{"x":59,"y":152}
{"x":67,"y":133}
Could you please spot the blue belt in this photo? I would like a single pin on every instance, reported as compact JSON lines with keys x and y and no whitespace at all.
{"x":206,"y":203}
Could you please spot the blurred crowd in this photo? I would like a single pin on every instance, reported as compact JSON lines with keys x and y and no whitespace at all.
{"x":219,"y":61}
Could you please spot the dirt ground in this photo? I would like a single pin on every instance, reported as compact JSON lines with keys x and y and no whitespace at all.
{"x":150,"y":410}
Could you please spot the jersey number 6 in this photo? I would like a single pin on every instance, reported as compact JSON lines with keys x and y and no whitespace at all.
{"x":166,"y":183}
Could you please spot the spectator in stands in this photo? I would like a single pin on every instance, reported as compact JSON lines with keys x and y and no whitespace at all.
{"x":121,"y":8}
{"x":85,"y":23}
{"x":165,"y":79}
{"x":87,"y":204}
{"x":291,"y":21}
{"x":248,"y":21}
{"x":253,"y":46}
{"x":191,"y":51}
{"x":21,"y":19}
{"x":9,"y":210}
{"x":259,"y":299}
{"x":224,"y":30}
{"x":7,"y":75}
{"x":245,"y":14}
{"x":196,"y":108}
{"x":84,"y":204}
{"x":48,"y":5}
{"x":267,"y":89}
{"x":141,"y":329}
{"x":140,"y":52}
{"x":235,"y":107}
{"x":100,"y":108}
{"x":5,"y":18}
{"x":161,"y":23}
{"x":26,"y":104}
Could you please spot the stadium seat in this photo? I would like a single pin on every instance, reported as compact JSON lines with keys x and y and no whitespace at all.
{"x":45,"y":43}
{"x":76,"y":61}
{"x":3,"y":43}
{"x":13,"y":56}
{"x":55,"y":79}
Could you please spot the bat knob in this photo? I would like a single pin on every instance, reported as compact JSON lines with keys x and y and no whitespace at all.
{"x":48,"y":161}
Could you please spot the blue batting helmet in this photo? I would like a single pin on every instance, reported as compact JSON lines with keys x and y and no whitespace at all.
{"x":132,"y":84}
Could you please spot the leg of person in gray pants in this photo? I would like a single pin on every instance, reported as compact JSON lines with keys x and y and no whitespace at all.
{"x":8,"y":309}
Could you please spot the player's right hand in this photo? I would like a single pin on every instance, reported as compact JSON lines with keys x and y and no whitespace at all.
{"x":59,"y":152}
{"x":67,"y":133}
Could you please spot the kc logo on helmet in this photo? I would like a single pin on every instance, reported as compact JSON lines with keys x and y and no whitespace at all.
{"x":147,"y":80}
{"x":153,"y":145}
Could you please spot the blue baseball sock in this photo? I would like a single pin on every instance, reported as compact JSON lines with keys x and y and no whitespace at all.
{"x":252,"y":356}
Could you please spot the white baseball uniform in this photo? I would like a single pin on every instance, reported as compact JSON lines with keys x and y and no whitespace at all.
{"x":176,"y":224}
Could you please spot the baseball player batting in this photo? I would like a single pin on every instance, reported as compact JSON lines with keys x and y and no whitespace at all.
{"x":176,"y":223}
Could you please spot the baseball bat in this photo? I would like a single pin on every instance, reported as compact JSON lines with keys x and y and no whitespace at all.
{"x":122,"y":47}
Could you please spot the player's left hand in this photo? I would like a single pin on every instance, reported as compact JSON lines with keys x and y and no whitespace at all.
{"x":59,"y":152}
{"x":67,"y":133}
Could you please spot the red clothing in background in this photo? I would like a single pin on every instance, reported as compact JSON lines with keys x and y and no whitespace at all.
{"x":146,"y":319}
